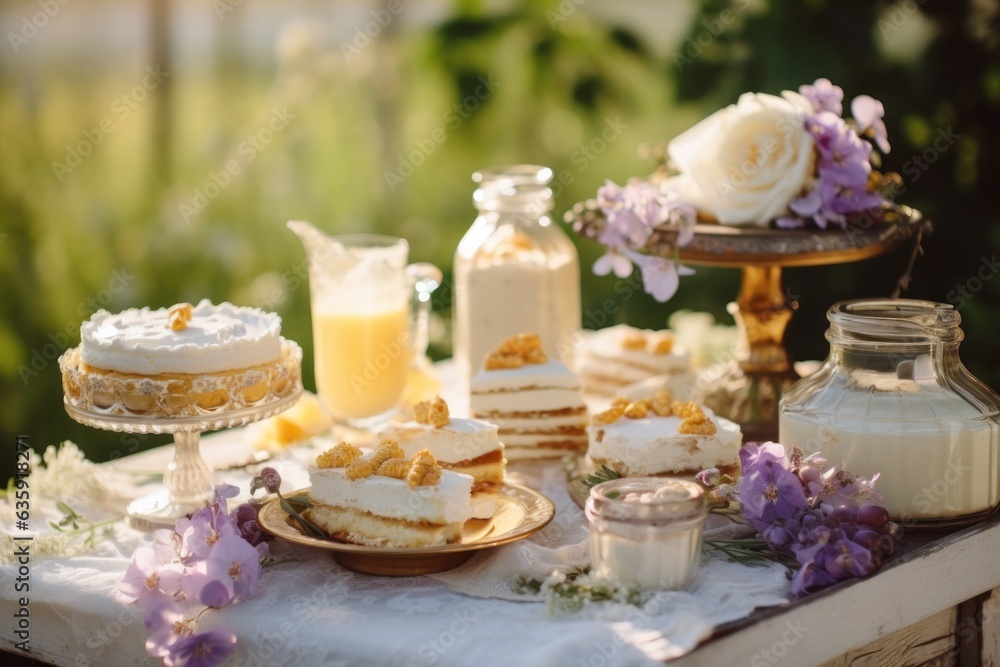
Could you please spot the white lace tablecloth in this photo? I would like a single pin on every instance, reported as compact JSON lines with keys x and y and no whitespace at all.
{"x":313,"y":611}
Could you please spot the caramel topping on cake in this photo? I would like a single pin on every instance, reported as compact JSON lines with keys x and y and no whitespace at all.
{"x":634,"y":341}
{"x":366,"y":466}
{"x":682,"y":409}
{"x":695,"y":422}
{"x":609,"y":416}
{"x":636,"y":410}
{"x":179,"y":316}
{"x":338,"y":456}
{"x":658,"y":343}
{"x":515,"y":352}
{"x":424,"y":470}
{"x":660,"y":403}
{"x":664,"y":345}
{"x":396,"y":468}
{"x":433,"y":412}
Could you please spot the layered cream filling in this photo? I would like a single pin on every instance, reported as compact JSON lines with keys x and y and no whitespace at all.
{"x":652,"y":446}
{"x":526,"y":401}
{"x":443,"y":503}
{"x":217,"y":338}
{"x":551,"y":374}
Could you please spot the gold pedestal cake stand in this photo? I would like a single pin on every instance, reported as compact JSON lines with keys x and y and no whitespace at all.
{"x":748,"y":388}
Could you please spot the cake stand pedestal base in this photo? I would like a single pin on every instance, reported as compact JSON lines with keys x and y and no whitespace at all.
{"x":747,"y":389}
{"x":157,"y":510}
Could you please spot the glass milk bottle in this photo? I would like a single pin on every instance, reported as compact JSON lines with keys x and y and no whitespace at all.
{"x":894,"y":398}
{"x":515,"y":270}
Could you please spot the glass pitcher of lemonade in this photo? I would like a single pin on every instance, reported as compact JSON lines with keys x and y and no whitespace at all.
{"x":370,"y":312}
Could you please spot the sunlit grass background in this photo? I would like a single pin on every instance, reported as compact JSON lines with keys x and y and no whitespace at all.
{"x":564,"y":69}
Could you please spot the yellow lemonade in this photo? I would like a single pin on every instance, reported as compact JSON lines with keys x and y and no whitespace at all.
{"x":362,"y":360}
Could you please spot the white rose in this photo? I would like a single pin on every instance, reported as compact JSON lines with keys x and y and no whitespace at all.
{"x":745,"y":163}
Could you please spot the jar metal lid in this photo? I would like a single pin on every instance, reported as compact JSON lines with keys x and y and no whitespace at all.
{"x":647,"y":500}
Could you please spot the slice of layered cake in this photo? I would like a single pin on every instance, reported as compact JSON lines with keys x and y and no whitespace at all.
{"x":659,"y":436}
{"x":621,"y":355}
{"x":536,"y":403}
{"x":468,"y":446}
{"x":385,"y":499}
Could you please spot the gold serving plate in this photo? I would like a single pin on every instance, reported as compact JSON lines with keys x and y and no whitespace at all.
{"x":520,"y":512}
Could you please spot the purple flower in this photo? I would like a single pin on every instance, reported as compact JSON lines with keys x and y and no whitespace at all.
{"x":613,"y":261}
{"x":660,"y":277}
{"x":215,"y":594}
{"x":205,"y":649}
{"x":244,"y":513}
{"x":770,"y":493}
{"x":845,"y":160}
{"x":631,"y":211}
{"x":145,"y":575}
{"x":868,"y":113}
{"x":810,"y":577}
{"x":232,"y":557}
{"x":202,"y":531}
{"x":167,"y":625}
{"x":824,"y":96}
{"x":845,"y":199}
{"x":845,"y":558}
{"x":271,"y":479}
{"x":755,"y":454}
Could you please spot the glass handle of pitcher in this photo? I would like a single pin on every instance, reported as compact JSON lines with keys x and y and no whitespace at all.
{"x":424,"y":278}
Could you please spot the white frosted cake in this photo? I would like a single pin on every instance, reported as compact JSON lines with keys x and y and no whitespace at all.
{"x":613,"y":358}
{"x":536,"y":403}
{"x":468,"y":446}
{"x":213,"y":338}
{"x":384,"y":499}
{"x":179,"y":361}
{"x":663,"y":437}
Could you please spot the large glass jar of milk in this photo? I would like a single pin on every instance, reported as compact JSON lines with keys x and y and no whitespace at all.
{"x":516,"y":271}
{"x":894,"y":398}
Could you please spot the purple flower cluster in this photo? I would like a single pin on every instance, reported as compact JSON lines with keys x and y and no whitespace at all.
{"x":843,"y":158}
{"x":824,"y":517}
{"x":633,"y":214}
{"x":210,"y":558}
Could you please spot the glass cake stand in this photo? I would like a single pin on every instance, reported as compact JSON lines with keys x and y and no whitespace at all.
{"x":222,"y":403}
{"x":748,"y":388}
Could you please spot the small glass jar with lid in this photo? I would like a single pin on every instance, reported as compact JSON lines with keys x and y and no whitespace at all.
{"x":894,"y":398}
{"x":646,"y":531}
{"x":516,"y":271}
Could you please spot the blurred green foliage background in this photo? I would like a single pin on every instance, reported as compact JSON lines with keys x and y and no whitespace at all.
{"x":365,"y":87}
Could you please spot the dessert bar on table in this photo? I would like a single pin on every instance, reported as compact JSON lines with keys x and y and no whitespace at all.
{"x":537,"y":403}
{"x":659,"y":436}
{"x":384,"y":499}
{"x":181,"y":370}
{"x":467,"y":446}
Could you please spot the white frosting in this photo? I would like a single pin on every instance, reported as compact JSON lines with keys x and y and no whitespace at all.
{"x":217,"y":338}
{"x":551,"y":374}
{"x":460,"y":440}
{"x":652,"y":445}
{"x":448,"y":501}
{"x":528,"y":400}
